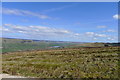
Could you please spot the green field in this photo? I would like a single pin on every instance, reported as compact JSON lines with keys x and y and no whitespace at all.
{"x":64,"y":63}
{"x":13,"y":45}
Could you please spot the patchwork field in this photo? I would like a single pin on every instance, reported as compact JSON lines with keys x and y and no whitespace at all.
{"x":63,"y":63}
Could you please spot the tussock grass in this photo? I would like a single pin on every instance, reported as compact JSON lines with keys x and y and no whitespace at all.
{"x":64,"y":63}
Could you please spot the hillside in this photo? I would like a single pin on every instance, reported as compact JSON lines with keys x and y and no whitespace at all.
{"x":95,"y":45}
{"x":12,"y":45}
{"x":63,"y":63}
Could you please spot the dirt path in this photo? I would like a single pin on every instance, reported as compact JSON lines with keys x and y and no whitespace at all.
{"x":9,"y":76}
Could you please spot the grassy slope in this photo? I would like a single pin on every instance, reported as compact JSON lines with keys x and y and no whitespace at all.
{"x":12,"y":45}
{"x":64,"y":63}
{"x":94,"y":45}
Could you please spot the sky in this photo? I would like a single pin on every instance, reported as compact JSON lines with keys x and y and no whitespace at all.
{"x":61,"y":21}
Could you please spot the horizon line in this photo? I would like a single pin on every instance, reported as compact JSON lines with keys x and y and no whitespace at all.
{"x":59,"y":40}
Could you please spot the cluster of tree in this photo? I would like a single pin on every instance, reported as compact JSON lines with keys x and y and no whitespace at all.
{"x":24,"y":41}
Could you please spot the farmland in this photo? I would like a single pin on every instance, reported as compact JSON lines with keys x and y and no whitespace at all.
{"x":79,"y":62}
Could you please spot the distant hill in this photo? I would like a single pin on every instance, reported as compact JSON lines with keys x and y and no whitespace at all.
{"x":11,"y":44}
{"x":96,"y":45}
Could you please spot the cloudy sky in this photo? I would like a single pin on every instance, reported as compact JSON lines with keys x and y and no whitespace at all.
{"x":61,"y":21}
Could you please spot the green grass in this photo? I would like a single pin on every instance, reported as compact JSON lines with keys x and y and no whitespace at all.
{"x":64,"y":63}
{"x":13,"y":45}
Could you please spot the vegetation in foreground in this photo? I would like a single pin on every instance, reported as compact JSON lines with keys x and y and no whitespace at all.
{"x":64,"y":63}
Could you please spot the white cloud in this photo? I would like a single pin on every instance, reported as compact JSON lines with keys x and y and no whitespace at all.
{"x":100,"y":35}
{"x":110,"y":30}
{"x":59,"y":8}
{"x":94,"y":38}
{"x":22,"y":32}
{"x":116,"y":16}
{"x":111,"y":39}
{"x":101,"y":26}
{"x":53,"y":9}
{"x":77,"y":34}
{"x":92,"y":34}
{"x":39,"y":31}
{"x":43,"y":32}
{"x":4,"y":29}
{"x":24,"y":13}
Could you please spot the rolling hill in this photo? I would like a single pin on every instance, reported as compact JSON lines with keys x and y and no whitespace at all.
{"x":13,"y":45}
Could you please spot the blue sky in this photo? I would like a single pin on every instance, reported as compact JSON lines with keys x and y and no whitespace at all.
{"x":63,"y":21}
